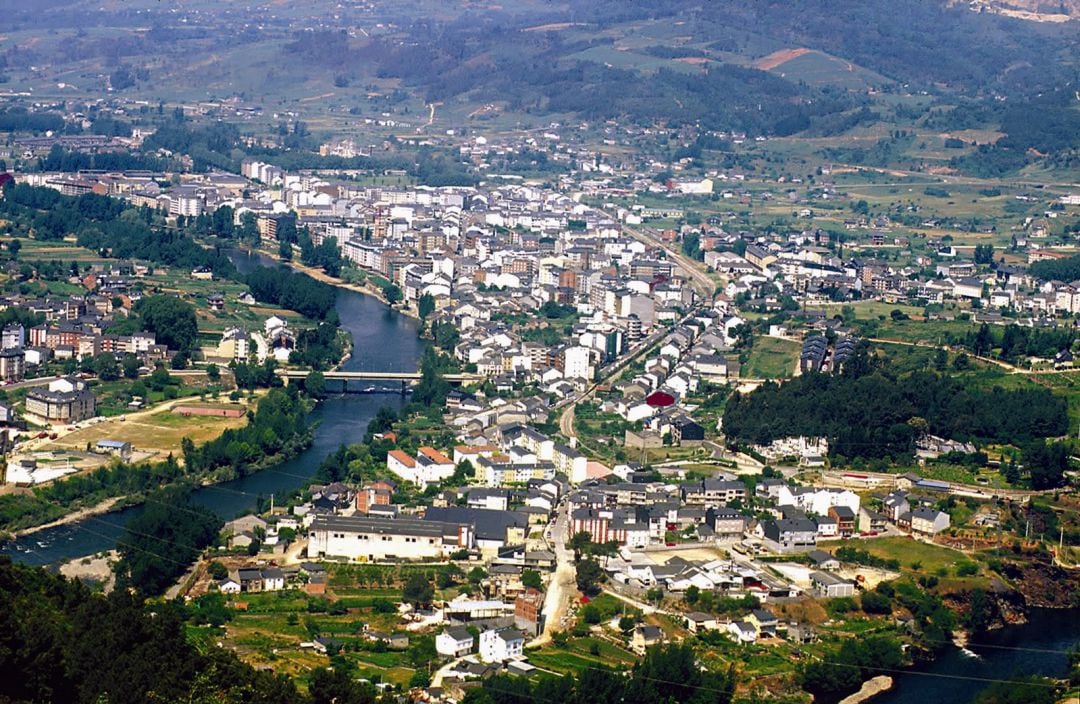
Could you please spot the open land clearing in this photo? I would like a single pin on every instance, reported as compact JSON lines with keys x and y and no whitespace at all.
{"x":157,"y":430}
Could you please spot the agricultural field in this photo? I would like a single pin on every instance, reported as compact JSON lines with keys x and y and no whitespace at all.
{"x":819,"y":69}
{"x":581,"y":654}
{"x":269,"y":628}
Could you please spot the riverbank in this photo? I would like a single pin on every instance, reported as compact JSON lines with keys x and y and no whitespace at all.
{"x":96,"y":568}
{"x":100,"y":509}
{"x":870,"y":689}
{"x":321,"y":276}
{"x":194,"y":476}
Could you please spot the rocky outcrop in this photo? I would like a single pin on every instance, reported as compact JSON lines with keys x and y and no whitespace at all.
{"x":988,"y":609}
{"x":1046,"y":585}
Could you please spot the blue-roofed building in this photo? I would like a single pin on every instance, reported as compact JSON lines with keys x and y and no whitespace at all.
{"x":932,"y":485}
{"x":117,"y":448}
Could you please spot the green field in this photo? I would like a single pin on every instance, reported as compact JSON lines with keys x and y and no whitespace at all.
{"x":908,"y":551}
{"x":578,"y":655}
{"x":819,"y":69}
{"x":771,"y":358}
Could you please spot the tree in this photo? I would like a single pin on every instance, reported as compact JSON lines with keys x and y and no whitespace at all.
{"x":179,"y":360}
{"x":285,"y":251}
{"x":417,"y":591}
{"x":692,"y":595}
{"x":163,"y":540}
{"x":1046,"y":463}
{"x":589,"y":576}
{"x":579,"y":542}
{"x":213,"y":373}
{"x":530,"y":579}
{"x":338,"y":686}
{"x":1028,"y":690}
{"x":874,"y":602}
{"x":392,"y":293}
{"x":172,"y":321}
{"x":425,"y":306}
{"x":130,"y":366}
{"x":315,"y":384}
{"x":217,"y":571}
{"x":984,"y":254}
{"x":105,"y":367}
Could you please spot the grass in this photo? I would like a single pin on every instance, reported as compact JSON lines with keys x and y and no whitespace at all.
{"x":817,"y":68}
{"x":161,"y":432}
{"x":771,"y":358}
{"x":262,"y":635}
{"x":576,"y":657}
{"x":908,"y":551}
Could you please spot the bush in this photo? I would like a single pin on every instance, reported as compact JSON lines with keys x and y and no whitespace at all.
{"x":967,"y":569}
{"x":841,"y":605}
{"x":875,"y":603}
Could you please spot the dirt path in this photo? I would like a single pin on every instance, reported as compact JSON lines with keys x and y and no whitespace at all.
{"x":563,"y":585}
{"x":779,"y":58}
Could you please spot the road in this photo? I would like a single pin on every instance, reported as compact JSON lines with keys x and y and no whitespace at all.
{"x":563,"y":585}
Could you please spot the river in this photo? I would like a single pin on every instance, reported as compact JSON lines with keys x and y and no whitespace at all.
{"x":383,"y":340}
{"x":1036,"y":648}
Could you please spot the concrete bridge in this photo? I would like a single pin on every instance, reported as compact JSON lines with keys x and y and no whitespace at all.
{"x":288,"y":375}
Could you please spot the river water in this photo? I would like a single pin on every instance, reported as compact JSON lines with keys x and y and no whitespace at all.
{"x":1038,"y":647}
{"x":383,"y":340}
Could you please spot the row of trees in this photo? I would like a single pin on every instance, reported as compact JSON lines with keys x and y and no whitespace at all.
{"x":277,"y":427}
{"x":1013,"y":343}
{"x":294,"y":291}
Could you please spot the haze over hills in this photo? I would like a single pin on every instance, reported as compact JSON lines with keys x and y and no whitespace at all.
{"x":810,"y":67}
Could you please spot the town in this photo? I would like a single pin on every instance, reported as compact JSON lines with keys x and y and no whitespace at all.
{"x":365,"y":383}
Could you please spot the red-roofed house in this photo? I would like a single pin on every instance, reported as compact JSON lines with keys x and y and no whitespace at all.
{"x":430,"y":466}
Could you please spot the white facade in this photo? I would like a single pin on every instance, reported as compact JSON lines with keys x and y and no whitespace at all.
{"x":501,"y":645}
{"x":369,"y":539}
{"x":576,"y":363}
{"x":817,"y":501}
{"x":454,"y":642}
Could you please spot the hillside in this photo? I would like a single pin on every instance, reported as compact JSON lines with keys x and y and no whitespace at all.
{"x":1033,"y":10}
{"x":798,"y":67}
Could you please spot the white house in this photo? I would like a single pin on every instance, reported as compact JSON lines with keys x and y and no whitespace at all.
{"x":743,"y":631}
{"x":454,"y":642}
{"x":501,"y":645}
{"x":817,"y":500}
{"x":229,"y":586}
{"x":428,"y":467}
